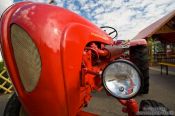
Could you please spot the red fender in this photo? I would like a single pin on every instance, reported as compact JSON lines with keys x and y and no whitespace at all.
{"x":72,"y":47}
{"x":129,"y":43}
{"x":136,"y":42}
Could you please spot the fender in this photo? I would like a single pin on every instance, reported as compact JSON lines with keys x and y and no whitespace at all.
{"x":130,"y":43}
{"x":136,"y":42}
{"x":72,"y":47}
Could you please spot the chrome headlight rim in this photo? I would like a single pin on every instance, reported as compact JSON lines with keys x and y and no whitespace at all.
{"x":132,"y":65}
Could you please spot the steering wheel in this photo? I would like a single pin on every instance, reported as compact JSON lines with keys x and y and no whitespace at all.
{"x":112,"y":32}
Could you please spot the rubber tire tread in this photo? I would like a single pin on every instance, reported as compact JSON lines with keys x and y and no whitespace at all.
{"x":152,"y":104}
{"x":13,"y":106}
{"x":139,"y":56}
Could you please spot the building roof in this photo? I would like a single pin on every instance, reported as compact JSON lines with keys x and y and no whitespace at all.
{"x":164,"y":28}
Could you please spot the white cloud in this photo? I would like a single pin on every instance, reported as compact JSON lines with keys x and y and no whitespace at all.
{"x":4,"y":4}
{"x":127,"y":16}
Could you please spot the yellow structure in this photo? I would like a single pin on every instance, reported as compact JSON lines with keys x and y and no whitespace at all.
{"x":5,"y":83}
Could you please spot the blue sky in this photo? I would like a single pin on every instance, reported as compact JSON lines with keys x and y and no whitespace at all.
{"x":127,"y":16}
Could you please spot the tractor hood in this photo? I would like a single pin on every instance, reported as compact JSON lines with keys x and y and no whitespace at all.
{"x":42,"y":46}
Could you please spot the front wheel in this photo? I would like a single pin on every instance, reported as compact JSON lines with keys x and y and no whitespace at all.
{"x":139,"y":56}
{"x":14,"y":107}
{"x":153,"y":108}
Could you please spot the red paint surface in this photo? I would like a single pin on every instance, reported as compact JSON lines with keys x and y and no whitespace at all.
{"x":61,"y":37}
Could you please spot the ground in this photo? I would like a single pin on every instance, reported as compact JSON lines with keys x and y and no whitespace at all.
{"x":162,"y":89}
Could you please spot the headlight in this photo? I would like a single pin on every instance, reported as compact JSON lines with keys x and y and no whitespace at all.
{"x":26,"y":56}
{"x":122,"y":79}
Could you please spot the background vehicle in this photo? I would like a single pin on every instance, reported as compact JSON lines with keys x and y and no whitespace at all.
{"x":56,"y":58}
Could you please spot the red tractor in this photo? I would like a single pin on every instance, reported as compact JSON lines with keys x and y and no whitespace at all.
{"x":56,"y":58}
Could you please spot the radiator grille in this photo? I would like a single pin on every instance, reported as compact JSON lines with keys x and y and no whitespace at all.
{"x":27,"y":57}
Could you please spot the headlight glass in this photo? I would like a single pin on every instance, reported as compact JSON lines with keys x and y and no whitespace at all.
{"x":122,"y":79}
{"x":26,"y":56}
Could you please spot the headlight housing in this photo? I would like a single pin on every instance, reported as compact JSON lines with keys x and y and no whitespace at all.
{"x":122,"y":79}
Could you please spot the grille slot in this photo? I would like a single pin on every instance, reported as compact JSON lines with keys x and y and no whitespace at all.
{"x":26,"y":56}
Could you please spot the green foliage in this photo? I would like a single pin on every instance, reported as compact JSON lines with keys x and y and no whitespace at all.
{"x":1,"y":65}
{"x":150,"y":47}
{"x":158,"y":47}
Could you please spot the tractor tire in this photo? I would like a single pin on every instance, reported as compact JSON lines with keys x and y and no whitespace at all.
{"x":14,"y":107}
{"x":153,"y":108}
{"x":139,"y":56}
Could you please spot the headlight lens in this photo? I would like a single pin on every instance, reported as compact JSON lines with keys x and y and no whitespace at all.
{"x":26,"y":56}
{"x":122,"y":79}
